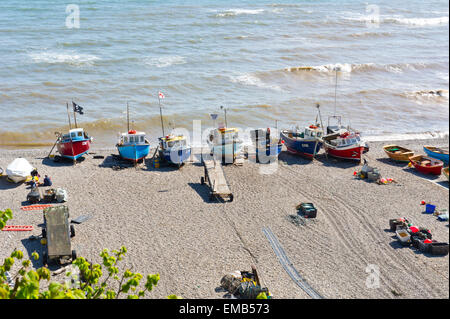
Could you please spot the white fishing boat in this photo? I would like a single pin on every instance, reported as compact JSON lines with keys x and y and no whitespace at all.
{"x":225,"y":142}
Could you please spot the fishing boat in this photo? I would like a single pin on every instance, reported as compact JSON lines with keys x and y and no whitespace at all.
{"x":343,"y":142}
{"x":426,"y":164}
{"x":445,"y":171}
{"x":398,"y":153}
{"x":267,"y":146}
{"x":306,"y":143}
{"x":225,"y":142}
{"x":437,"y":153}
{"x":174,"y":149}
{"x":74,"y":144}
{"x":132,"y":145}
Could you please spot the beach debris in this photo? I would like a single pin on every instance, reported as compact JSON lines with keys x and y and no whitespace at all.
{"x":98,"y":156}
{"x":17,"y":228}
{"x":307,"y":210}
{"x":49,"y":195}
{"x":81,"y":219}
{"x":61,"y":195}
{"x":372,"y":174}
{"x":34,"y":196}
{"x":244,"y":284}
{"x":419,"y":237}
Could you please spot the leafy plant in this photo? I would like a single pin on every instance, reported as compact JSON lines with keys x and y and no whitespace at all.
{"x":4,"y":216}
{"x":88,"y":281}
{"x":26,"y":283}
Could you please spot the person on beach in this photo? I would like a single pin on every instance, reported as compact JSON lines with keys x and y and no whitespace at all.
{"x":47,"y":181}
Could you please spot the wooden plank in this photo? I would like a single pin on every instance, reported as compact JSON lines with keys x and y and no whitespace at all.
{"x":218,"y":183}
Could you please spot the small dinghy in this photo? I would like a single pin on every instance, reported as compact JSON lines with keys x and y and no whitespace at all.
{"x":427,"y":165}
{"x":437,"y":153}
{"x":19,"y":170}
{"x":174,"y":149}
{"x":398,"y":153}
{"x":445,"y":171}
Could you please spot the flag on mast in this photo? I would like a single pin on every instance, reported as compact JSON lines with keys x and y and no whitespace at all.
{"x":161,"y":95}
{"x":77,"y":108}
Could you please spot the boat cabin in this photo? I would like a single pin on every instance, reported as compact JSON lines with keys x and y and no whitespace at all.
{"x":132,"y":137}
{"x":226,"y":135}
{"x":311,"y":132}
{"x":172,"y":141}
{"x":345,"y":139}
{"x":76,"y":134}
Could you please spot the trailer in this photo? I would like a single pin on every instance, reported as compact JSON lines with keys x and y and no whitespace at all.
{"x":215,"y":177}
{"x":58,"y":234}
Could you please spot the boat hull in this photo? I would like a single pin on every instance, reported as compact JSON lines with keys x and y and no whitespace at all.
{"x":433,"y":169}
{"x":350,"y":153}
{"x":177,"y":156}
{"x":133,"y":152}
{"x":306,"y":147}
{"x":442,"y":157}
{"x":74,"y":149}
{"x":227,"y":149}
{"x":403,"y":156}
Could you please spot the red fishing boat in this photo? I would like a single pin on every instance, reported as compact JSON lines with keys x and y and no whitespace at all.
{"x":427,"y":165}
{"x":344,"y":143}
{"x":74,"y":144}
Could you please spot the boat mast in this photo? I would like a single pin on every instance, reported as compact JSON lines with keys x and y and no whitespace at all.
{"x":128,"y":118}
{"x":335,"y":90}
{"x":68,"y":115}
{"x":160,"y":113}
{"x":74,"y":116}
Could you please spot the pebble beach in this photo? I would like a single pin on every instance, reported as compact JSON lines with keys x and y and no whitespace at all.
{"x":164,"y":218}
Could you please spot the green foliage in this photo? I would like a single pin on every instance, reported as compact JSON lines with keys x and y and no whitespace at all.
{"x":94,"y":285}
{"x":4,"y":216}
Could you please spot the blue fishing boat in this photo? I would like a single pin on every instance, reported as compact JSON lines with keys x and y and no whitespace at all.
{"x":437,"y":153}
{"x":133,"y":145}
{"x":305,"y":143}
{"x":174,"y":149}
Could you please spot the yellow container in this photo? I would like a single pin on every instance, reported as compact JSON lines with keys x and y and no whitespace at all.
{"x":156,"y":163}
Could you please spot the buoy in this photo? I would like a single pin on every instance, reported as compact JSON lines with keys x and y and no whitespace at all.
{"x":43,"y":241}
{"x":422,"y":202}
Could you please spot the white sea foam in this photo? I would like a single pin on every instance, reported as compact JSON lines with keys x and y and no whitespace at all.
{"x":250,"y":79}
{"x":236,"y":12}
{"x":165,"y":61}
{"x":419,"y":21}
{"x":406,"y":136}
{"x":63,"y":57}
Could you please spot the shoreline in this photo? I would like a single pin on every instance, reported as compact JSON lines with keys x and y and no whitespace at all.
{"x":400,"y":137}
{"x":165,"y":220}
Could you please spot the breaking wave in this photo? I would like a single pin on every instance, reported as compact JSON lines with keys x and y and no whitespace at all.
{"x":347,"y":67}
{"x":165,"y":61}
{"x":236,"y":12}
{"x":63,"y":58}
